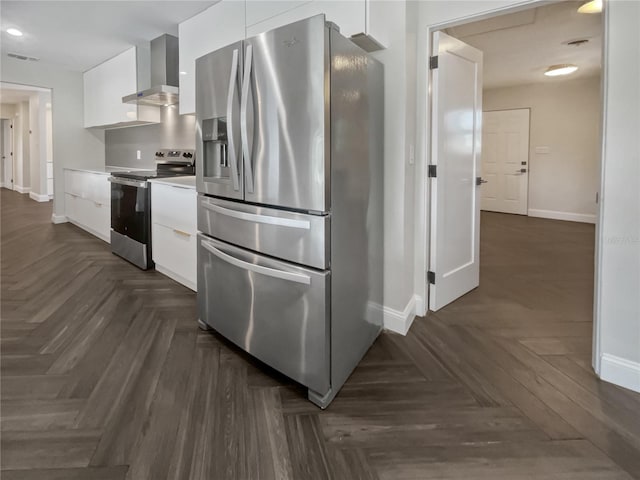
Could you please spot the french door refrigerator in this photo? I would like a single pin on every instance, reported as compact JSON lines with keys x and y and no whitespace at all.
{"x":290,"y":208}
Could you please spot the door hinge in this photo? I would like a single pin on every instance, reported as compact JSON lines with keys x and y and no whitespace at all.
{"x":433,"y":62}
{"x":431,"y":277}
{"x":433,"y":171}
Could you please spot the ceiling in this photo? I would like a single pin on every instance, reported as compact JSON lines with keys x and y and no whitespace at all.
{"x":11,"y":96}
{"x":78,"y":35}
{"x":519,"y":47}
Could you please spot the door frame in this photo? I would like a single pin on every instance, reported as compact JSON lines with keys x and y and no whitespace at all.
{"x":423,"y":154}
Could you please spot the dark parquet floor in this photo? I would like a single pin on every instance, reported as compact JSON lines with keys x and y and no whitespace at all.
{"x":105,"y":375}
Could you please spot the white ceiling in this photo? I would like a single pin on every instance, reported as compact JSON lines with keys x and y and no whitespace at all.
{"x":78,"y":35}
{"x":11,"y":96}
{"x":519,"y":47}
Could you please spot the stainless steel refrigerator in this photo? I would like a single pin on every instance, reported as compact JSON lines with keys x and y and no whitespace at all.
{"x":289,"y":171}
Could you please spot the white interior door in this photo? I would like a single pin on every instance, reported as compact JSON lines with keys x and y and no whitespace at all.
{"x":505,"y":161}
{"x":456,"y":124}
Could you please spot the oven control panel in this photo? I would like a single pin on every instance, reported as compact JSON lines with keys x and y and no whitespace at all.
{"x":177,"y":156}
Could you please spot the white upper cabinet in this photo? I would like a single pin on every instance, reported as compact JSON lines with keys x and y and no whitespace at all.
{"x":232,"y":20}
{"x":349,"y":15}
{"x":261,"y":10}
{"x":107,"y":83}
{"x":216,"y":27}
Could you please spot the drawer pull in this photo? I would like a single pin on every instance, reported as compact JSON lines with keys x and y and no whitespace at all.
{"x":270,"y":272}
{"x":252,"y":217}
{"x":180,"y":232}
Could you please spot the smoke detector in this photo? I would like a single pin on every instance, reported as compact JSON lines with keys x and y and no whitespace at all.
{"x":19,"y":56}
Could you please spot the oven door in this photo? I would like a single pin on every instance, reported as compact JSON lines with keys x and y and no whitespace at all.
{"x":131,"y":208}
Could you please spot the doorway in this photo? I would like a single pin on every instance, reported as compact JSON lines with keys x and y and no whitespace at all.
{"x":540,"y":136}
{"x":28,"y":169}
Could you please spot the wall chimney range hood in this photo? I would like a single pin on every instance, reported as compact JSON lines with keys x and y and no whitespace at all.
{"x":164,"y":75}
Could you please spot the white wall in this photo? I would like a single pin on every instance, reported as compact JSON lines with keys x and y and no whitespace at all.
{"x":617,"y":292}
{"x":7,"y":111}
{"x":618,"y":237}
{"x":565,"y":117}
{"x":397,"y":20}
{"x":72,"y":144}
{"x":38,"y":145}
{"x":22,"y":179}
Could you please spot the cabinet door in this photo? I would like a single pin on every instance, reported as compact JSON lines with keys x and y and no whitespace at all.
{"x":349,"y":15}
{"x":259,"y":10}
{"x":174,"y":207}
{"x":174,"y":252}
{"x":70,"y":206}
{"x":216,"y":27}
{"x":104,"y":87}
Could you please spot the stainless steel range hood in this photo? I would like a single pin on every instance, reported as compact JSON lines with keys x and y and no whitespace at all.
{"x":164,"y":75}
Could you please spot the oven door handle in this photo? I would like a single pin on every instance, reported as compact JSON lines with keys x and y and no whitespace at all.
{"x":270,"y":272}
{"x":130,"y":183}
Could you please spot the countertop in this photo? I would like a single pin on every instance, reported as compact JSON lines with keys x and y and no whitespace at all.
{"x":106,"y":170}
{"x":181,"y":182}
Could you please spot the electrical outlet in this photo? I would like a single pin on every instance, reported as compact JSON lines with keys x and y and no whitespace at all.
{"x":138,"y":155}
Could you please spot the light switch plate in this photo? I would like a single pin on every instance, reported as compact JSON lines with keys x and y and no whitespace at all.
{"x":543,"y":150}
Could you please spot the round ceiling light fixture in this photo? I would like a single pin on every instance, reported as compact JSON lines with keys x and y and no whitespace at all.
{"x":593,"y":6}
{"x":14,"y":31}
{"x":562,"y":69}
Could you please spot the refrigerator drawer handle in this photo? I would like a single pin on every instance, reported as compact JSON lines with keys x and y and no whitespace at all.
{"x":244,"y":100}
{"x":252,"y":217}
{"x":270,"y":272}
{"x":231,"y":147}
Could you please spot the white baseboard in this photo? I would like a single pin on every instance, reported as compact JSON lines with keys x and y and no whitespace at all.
{"x":38,"y":198}
{"x":620,"y":371}
{"x":58,"y":218}
{"x":567,"y":216}
{"x":20,"y":189}
{"x":400,"y":321}
{"x":178,"y":278}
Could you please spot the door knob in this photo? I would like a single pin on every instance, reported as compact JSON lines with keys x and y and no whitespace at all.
{"x":522,"y":170}
{"x":480,"y":181}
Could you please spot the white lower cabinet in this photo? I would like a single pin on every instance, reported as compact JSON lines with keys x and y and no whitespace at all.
{"x":173,"y":232}
{"x":88,"y":202}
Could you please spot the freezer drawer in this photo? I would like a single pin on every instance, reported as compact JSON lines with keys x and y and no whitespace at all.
{"x":295,"y":237}
{"x":276,"y":311}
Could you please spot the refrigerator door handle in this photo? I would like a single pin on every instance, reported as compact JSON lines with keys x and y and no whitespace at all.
{"x":244,"y":100}
{"x":270,"y":272}
{"x":252,"y":217}
{"x":233,"y":160}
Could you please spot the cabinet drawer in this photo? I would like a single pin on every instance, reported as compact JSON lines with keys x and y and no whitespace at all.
{"x":89,"y":215}
{"x":73,"y":182}
{"x":276,"y":311}
{"x":174,"y":207}
{"x":174,"y":252}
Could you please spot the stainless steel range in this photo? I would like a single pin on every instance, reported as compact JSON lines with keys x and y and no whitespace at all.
{"x":131,"y":204}
{"x":289,"y":141}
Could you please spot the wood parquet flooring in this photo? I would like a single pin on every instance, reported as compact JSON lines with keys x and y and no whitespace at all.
{"x":105,"y":375}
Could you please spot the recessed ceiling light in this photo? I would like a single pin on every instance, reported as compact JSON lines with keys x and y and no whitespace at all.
{"x":14,"y":31}
{"x":563,"y":69}
{"x":594,"y":6}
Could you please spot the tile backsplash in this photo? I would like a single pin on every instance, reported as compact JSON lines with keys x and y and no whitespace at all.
{"x":174,"y":131}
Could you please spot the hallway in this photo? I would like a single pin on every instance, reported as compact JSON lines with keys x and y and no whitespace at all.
{"x":105,"y":375}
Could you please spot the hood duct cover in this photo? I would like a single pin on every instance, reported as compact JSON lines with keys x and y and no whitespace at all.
{"x":164,"y":75}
